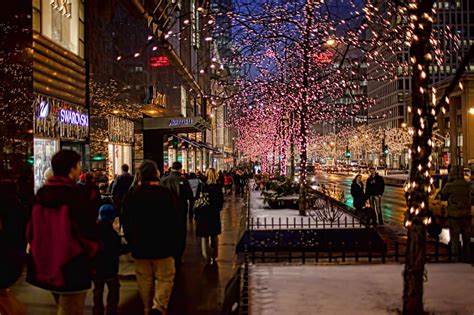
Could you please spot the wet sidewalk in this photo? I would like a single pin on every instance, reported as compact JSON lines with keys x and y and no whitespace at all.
{"x":198,"y":290}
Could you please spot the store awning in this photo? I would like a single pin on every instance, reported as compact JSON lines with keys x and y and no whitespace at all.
{"x":208,"y":147}
{"x":175,"y":124}
{"x":193,"y":143}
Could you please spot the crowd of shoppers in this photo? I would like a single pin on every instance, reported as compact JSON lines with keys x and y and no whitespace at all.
{"x":70,"y":243}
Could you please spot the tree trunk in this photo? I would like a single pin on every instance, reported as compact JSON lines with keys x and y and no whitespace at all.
{"x":422,"y":122}
{"x":453,"y":137}
{"x":292,"y":148}
{"x":304,"y":109}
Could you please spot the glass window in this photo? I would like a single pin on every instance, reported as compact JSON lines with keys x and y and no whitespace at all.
{"x":60,"y":22}
{"x":460,"y":139}
{"x":195,"y":36}
{"x":61,"y":26}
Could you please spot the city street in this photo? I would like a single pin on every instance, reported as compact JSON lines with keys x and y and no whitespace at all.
{"x":393,"y":201}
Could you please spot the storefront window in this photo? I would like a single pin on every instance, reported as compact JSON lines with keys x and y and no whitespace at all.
{"x":44,"y":149}
{"x":119,"y":155}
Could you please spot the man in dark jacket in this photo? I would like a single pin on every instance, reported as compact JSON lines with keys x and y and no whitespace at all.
{"x":61,"y":236}
{"x":458,"y":193}
{"x":374,"y":190}
{"x":122,"y":185}
{"x":183,"y":192}
{"x":151,"y":229}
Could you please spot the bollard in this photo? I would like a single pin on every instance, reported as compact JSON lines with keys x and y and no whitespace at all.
{"x":330,"y":251}
{"x":343,"y":248}
{"x":345,"y":221}
{"x":397,"y":255}
{"x":384,"y":250}
{"x":356,"y":251}
{"x":437,"y":251}
{"x":316,"y":253}
{"x":370,"y":251}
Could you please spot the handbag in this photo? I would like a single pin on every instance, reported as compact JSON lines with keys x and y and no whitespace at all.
{"x":203,"y":199}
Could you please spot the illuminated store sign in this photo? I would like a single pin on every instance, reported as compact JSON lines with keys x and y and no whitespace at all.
{"x":177,"y":122}
{"x":73,"y":118}
{"x":43,"y":110}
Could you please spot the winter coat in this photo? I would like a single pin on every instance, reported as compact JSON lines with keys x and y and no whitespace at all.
{"x":180,"y":187}
{"x":62,"y":236}
{"x":228,"y":180}
{"x":209,"y":218}
{"x":151,"y":222}
{"x":107,"y":261}
{"x":458,"y":193}
{"x":375,"y":186}
{"x":12,"y":236}
{"x":121,"y":186}
{"x":358,"y":195}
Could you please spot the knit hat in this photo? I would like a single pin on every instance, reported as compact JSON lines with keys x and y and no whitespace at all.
{"x":106,"y":212}
{"x":455,"y":172}
{"x":148,"y":171}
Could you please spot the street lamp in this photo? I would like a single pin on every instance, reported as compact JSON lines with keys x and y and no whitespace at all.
{"x":471,"y":110}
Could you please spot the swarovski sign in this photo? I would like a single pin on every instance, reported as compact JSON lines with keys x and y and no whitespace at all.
{"x":73,"y":118}
{"x":63,"y":6}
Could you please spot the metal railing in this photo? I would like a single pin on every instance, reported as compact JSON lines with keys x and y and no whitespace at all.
{"x":303,"y":223}
{"x":339,"y":252}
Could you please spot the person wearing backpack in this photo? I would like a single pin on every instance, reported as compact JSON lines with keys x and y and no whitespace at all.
{"x":62,"y":236}
{"x":208,"y":215}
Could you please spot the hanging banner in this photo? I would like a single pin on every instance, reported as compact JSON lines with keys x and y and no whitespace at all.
{"x":121,"y":130}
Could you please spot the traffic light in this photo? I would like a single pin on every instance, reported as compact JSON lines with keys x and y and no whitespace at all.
{"x":385,"y":150}
{"x":175,"y":143}
{"x":348,"y":154}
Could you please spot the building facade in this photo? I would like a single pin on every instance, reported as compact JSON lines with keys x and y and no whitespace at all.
{"x":60,"y":100}
{"x":392,"y":95}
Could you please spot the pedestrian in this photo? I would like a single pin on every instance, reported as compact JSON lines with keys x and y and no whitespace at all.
{"x":12,"y":245}
{"x":227,"y":183}
{"x":208,"y":217}
{"x":107,"y":263}
{"x":357,"y":192}
{"x":236,"y":179}
{"x":374,"y":190}
{"x":88,"y":183}
{"x":61,"y":236}
{"x":121,"y":185}
{"x":194,"y":182}
{"x":220,"y":178}
{"x":151,"y":230}
{"x":183,"y":193}
{"x":458,"y":193}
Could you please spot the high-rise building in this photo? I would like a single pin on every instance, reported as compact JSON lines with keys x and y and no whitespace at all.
{"x":391,"y":95}
{"x":454,"y":26}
